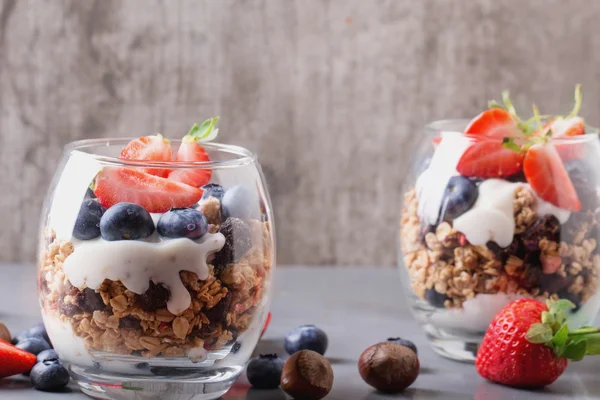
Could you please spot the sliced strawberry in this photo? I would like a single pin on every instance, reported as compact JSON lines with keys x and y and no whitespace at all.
{"x":13,"y":360}
{"x":152,"y":148}
{"x":495,"y":122}
{"x":489,"y":160}
{"x":561,"y":127}
{"x":190,"y":150}
{"x":548,"y":177}
{"x":566,"y":127}
{"x":155,"y":194}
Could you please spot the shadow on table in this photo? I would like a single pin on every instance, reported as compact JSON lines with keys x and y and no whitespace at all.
{"x":411,"y":393}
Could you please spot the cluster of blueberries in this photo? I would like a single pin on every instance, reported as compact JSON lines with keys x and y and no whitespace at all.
{"x":48,"y":374}
{"x":264,"y":371}
{"x":130,"y":221}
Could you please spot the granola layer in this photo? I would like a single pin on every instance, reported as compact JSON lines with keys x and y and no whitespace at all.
{"x":544,"y":260}
{"x":114,"y":319}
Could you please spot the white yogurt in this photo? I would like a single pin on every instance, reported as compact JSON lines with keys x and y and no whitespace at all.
{"x":492,"y":215}
{"x":135,"y":263}
{"x":432,"y":183}
{"x":476,"y":314}
{"x":70,"y":347}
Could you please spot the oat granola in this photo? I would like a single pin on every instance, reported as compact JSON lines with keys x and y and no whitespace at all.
{"x":116,"y":320}
{"x":544,"y":259}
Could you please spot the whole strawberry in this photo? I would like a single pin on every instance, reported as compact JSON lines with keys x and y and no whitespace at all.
{"x":528,"y":344}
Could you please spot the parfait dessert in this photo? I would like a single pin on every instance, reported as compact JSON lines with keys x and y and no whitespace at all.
{"x":504,"y":208}
{"x":155,"y":263}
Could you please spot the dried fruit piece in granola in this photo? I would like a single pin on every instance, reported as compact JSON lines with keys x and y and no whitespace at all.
{"x":155,"y":297}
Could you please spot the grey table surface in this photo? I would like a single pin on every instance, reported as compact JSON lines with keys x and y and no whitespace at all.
{"x":357,"y":307}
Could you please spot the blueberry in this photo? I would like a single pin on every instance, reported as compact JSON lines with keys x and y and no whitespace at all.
{"x":240,"y":202}
{"x":582,"y":176}
{"x":39,"y":329}
{"x":460,"y":195}
{"x":213,"y":190}
{"x":264,"y":371}
{"x":34,"y":345}
{"x":89,"y":300}
{"x":405,"y":343}
{"x":573,"y":297}
{"x":49,"y":354}
{"x":238,"y":240}
{"x":435,"y":298}
{"x":49,"y":376}
{"x":126,"y":221}
{"x":518,"y":177}
{"x":89,"y":194}
{"x":182,"y":222}
{"x":306,"y":337}
{"x":87,"y":225}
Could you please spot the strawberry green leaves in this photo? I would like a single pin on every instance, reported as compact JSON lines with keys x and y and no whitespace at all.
{"x":553,"y":331}
{"x":204,"y":132}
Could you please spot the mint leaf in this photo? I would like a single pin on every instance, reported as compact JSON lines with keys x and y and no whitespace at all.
{"x":575,"y":350}
{"x":205,"y":132}
{"x":539,"y":333}
{"x":510,"y":144}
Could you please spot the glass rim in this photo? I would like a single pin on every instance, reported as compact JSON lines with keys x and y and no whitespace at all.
{"x":242,"y":155}
{"x":437,"y":127}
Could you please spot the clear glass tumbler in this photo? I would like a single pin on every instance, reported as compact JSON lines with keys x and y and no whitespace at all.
{"x":469,"y":246}
{"x":151,"y":288}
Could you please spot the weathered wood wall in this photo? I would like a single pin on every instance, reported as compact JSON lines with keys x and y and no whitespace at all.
{"x":328,"y":92}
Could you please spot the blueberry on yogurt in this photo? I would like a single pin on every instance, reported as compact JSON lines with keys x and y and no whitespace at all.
{"x":459,"y":196}
{"x":240,"y":202}
{"x":182,"y":223}
{"x":213,"y":190}
{"x":87,"y":225}
{"x":126,"y":221}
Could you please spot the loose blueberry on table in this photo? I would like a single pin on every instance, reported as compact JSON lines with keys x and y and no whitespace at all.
{"x":306,"y":337}
{"x":405,"y":343}
{"x":264,"y":372}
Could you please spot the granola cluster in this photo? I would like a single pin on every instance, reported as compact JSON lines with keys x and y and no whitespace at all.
{"x":114,"y":319}
{"x":545,"y":259}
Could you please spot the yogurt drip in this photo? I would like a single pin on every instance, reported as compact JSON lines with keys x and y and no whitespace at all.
{"x":136,"y":263}
{"x":492,"y":217}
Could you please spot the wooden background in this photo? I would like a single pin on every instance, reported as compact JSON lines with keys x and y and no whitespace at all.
{"x":330,"y":93}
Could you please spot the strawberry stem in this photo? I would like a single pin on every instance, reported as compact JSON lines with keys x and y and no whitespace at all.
{"x":578,"y":97}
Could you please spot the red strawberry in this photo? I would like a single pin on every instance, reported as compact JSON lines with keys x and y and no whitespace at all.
{"x":153,"y":148}
{"x":191,"y":151}
{"x":495,"y":122}
{"x":507,"y":357}
{"x":562,"y":127}
{"x":13,"y":360}
{"x":489,"y":159}
{"x":548,"y":177}
{"x":155,"y":194}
